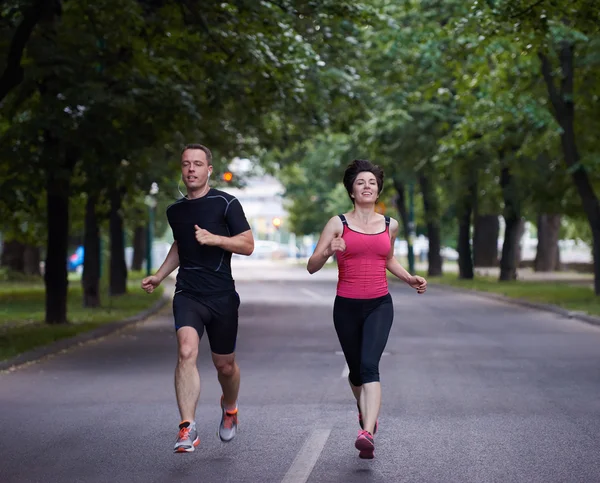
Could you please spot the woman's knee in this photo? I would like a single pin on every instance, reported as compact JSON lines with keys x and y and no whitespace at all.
{"x":369,"y":372}
{"x":355,"y":379}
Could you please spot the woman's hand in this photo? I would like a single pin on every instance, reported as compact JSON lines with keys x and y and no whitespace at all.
{"x":418,"y":283}
{"x":337,"y":245}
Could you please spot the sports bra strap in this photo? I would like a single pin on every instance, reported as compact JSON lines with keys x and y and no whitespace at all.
{"x":387,"y":221}
{"x":343,"y":218}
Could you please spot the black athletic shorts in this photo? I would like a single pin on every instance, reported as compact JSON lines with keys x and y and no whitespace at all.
{"x":218,"y":314}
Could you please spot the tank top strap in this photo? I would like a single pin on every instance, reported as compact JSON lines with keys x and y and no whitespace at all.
{"x":387,"y":222}
{"x":344,"y":221}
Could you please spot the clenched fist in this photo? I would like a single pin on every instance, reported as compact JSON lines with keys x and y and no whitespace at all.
{"x":150,"y":283}
{"x":337,"y":245}
{"x":418,"y":283}
{"x":205,"y":237}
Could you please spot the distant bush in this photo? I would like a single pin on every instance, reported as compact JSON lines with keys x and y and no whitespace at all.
{"x":7,"y":275}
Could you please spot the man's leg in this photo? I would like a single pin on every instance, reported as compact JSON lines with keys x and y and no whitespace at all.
{"x":187,"y":377}
{"x":189,"y":316}
{"x":228,"y":373}
{"x":222,"y":335}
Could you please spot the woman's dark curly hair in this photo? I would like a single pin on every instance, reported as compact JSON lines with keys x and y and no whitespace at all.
{"x":359,"y":166}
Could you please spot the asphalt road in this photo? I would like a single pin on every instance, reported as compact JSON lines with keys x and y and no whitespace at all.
{"x":474,"y":390}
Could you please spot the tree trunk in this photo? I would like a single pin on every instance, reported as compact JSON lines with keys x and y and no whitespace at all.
{"x":519,"y":248}
{"x":90,"y":281}
{"x":465,"y":258}
{"x":485,"y":240}
{"x":547,"y":257}
{"x":13,"y":73}
{"x":564,"y":110}
{"x":139,"y":248}
{"x":432,"y":216}
{"x":118,"y":267}
{"x":31,"y":260}
{"x":55,"y":274}
{"x":13,"y":255}
{"x":402,"y":210}
{"x":512,"y":219}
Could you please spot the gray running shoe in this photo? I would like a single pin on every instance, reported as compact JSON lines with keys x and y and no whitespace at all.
{"x":187,"y":439}
{"x":229,"y":424}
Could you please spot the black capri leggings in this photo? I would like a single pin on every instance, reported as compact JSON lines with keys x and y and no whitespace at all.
{"x":363,"y":327}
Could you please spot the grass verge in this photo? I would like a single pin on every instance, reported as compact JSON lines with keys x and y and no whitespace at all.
{"x":22,"y":307}
{"x":563,"y":294}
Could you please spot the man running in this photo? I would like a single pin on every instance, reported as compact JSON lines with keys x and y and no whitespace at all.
{"x":208,"y":226}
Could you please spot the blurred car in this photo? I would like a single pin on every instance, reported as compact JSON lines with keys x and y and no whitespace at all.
{"x":75,"y":261}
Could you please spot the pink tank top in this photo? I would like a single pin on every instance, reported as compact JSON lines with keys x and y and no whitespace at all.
{"x":361,"y":267}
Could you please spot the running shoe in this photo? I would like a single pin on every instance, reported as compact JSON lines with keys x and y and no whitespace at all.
{"x":365,"y":445}
{"x":360,"y":421}
{"x":187,"y":439}
{"x":229,"y":423}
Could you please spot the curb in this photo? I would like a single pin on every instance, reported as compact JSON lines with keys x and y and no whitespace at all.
{"x":102,"y":331}
{"x":569,"y":314}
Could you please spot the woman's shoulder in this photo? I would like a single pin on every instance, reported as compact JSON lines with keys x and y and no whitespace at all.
{"x":393,"y":224}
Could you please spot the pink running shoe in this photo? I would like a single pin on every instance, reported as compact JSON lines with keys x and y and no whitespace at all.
{"x":365,"y":445}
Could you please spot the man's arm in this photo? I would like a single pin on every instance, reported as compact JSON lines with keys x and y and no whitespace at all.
{"x":242,"y":244}
{"x":171,"y":263}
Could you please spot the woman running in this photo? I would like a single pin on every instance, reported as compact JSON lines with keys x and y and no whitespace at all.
{"x":363,"y":242}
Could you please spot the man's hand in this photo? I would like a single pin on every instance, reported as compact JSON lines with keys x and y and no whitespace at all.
{"x":150,"y":283}
{"x":337,"y":245}
{"x":205,"y":237}
{"x":418,"y":283}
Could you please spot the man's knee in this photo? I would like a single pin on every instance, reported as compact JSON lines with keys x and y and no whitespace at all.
{"x":225,"y":367}
{"x":188,"y":352}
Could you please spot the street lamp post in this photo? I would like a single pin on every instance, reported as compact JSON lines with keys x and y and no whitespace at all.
{"x":150,"y":202}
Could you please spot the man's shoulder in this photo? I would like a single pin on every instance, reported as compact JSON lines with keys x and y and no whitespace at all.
{"x":176,"y":204}
{"x":215,"y":193}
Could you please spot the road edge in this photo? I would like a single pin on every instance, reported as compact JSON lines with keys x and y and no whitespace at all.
{"x":69,"y":342}
{"x":569,"y":314}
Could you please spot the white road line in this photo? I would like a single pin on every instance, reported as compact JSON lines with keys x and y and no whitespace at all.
{"x":310,"y":293}
{"x":340,"y":353}
{"x":346,"y":371}
{"x":306,"y":459}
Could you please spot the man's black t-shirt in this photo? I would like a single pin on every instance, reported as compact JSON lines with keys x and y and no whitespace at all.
{"x":205,"y":270}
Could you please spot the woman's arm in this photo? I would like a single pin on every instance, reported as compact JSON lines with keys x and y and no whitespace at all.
{"x":392,"y":264}
{"x":333,"y":229}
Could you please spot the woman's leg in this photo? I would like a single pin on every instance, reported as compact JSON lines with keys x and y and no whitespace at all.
{"x":348,"y":326}
{"x":376,"y":331}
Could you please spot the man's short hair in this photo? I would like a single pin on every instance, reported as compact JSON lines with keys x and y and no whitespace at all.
{"x":201,"y":147}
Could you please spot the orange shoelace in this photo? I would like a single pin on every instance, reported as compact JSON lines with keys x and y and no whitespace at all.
{"x":229,"y":420}
{"x":184,"y":433}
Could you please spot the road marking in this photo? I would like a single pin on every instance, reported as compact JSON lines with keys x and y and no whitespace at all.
{"x":310,"y":293}
{"x":346,"y":371}
{"x":306,"y":459}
